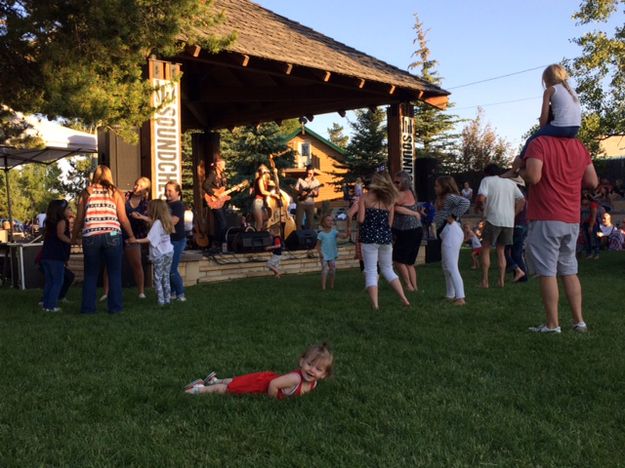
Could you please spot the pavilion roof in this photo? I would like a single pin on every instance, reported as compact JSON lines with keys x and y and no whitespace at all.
{"x":265,"y":34}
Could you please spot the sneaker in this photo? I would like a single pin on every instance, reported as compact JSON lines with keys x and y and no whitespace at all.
{"x":580,"y":327}
{"x":173,"y":297}
{"x":544,"y":329}
{"x":193,"y":384}
{"x":182,"y":298}
{"x":104,"y":297}
{"x":56,"y":309}
{"x":65,"y":301}
{"x":142,"y":296}
{"x":210,"y":379}
{"x":40,"y":303}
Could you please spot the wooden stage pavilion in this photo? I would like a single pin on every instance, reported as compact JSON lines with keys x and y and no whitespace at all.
{"x":276,"y":69}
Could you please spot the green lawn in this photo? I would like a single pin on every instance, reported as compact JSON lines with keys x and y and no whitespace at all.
{"x":430,"y":386}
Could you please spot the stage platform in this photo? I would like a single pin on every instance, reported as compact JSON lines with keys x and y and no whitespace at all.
{"x":198,"y":267}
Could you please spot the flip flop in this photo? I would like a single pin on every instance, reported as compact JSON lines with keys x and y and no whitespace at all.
{"x":210,"y":378}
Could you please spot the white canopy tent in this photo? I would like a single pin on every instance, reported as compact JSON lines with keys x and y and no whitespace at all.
{"x":59,"y":142}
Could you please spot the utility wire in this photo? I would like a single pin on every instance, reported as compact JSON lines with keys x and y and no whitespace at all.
{"x":497,"y":77}
{"x":451,"y":109}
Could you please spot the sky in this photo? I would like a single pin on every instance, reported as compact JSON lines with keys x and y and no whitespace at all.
{"x":472,"y":40}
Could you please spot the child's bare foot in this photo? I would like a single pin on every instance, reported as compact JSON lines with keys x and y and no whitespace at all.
{"x":483,"y":285}
{"x":518,"y":276}
{"x":500,"y":283}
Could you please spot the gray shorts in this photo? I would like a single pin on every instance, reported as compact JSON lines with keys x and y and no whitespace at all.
{"x":550,"y":248}
{"x":497,"y":235}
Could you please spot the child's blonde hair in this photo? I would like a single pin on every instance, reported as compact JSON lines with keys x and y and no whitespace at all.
{"x":556,"y":74}
{"x":158,"y":209}
{"x":382,"y":187}
{"x":320,"y":352}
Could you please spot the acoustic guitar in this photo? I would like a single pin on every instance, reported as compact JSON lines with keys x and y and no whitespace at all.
{"x":221,"y":195}
{"x":304,"y":193}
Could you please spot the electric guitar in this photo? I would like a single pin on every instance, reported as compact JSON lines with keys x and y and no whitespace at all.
{"x":221,"y":195}
{"x":304,"y":193}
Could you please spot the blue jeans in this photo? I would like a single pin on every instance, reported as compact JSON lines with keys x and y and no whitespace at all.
{"x":177,"y":286}
{"x":591,"y":241}
{"x":53,"y":271}
{"x":514,"y":252}
{"x":105,"y":248}
{"x":551,"y":130}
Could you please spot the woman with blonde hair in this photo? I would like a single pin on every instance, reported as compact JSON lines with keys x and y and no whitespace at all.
{"x":261,"y":192}
{"x":375,"y":215}
{"x":407,"y":230}
{"x":100,"y":217}
{"x":136,"y":210}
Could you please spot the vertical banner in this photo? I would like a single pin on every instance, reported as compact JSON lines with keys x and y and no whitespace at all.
{"x":407,"y":145}
{"x":165,"y":126}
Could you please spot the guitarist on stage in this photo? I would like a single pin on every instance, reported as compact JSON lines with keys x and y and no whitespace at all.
{"x":216,"y":180}
{"x":307,"y":190}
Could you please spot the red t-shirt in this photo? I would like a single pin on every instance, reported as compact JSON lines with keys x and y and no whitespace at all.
{"x":557,"y":196}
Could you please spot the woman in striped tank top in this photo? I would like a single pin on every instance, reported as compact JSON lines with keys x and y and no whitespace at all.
{"x":101,"y":215}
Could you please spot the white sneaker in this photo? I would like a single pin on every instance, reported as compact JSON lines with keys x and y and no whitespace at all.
{"x":142,"y":296}
{"x":173,"y":297}
{"x":104,"y":297}
{"x":56,"y":309}
{"x":580,"y":327}
{"x":544,"y":329}
{"x":182,"y":298}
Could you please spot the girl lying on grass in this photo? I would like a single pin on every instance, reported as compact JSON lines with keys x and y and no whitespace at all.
{"x":315,"y":364}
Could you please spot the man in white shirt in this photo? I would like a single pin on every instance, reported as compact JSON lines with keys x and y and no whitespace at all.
{"x":500,"y":200}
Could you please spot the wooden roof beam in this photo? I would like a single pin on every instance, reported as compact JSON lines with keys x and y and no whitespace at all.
{"x":276,"y":93}
{"x":269,"y":113}
{"x":440,"y":102}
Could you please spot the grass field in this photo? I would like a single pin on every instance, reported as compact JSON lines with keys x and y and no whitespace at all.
{"x":436,"y":385}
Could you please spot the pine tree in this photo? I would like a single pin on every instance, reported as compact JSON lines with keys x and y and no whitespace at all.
{"x":367,"y":149}
{"x":433,"y":127}
{"x":245,"y":148}
{"x":83,"y":59}
{"x":336,"y":135}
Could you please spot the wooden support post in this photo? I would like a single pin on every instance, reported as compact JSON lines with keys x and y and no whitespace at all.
{"x":400,"y":130}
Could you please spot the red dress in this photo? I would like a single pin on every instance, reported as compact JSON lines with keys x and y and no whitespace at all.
{"x":258,"y":382}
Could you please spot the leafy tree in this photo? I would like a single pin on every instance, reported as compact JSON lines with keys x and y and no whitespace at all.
{"x":78,"y":175}
{"x":480,"y":146}
{"x":32,"y":187}
{"x":83,"y":59}
{"x":600,"y":73}
{"x":433,"y":127}
{"x":245,"y":148}
{"x":367,"y":148}
{"x":336,"y":135}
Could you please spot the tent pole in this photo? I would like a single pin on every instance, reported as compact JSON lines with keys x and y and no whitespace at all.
{"x":6,"y":174}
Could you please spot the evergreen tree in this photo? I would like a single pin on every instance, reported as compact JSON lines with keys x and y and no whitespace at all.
{"x":433,"y":127}
{"x":83,"y":59}
{"x":336,"y":135}
{"x":367,"y":148}
{"x":245,"y":148}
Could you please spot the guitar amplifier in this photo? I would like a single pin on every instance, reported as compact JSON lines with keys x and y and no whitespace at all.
{"x":305,"y":239}
{"x":245,"y":242}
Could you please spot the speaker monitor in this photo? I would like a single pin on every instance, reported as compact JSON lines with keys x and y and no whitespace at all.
{"x":305,"y":239}
{"x":246,"y":242}
{"x":424,"y":176}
